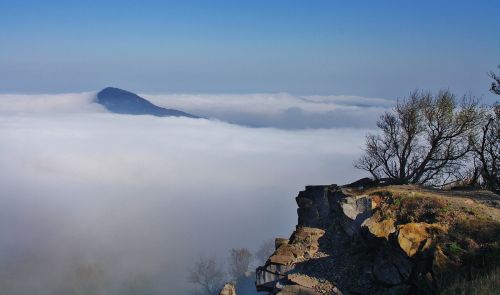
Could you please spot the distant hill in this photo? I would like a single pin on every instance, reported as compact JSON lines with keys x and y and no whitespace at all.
{"x":124,"y":102}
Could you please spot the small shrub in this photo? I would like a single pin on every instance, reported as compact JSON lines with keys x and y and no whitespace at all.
{"x":455,"y":249}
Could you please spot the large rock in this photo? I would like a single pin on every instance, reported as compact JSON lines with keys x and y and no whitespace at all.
{"x":302,"y":244}
{"x":391,"y":267}
{"x":357,"y":207}
{"x":416,"y":237}
{"x":228,"y":289}
{"x":355,"y":210}
{"x":313,"y":205}
{"x":380,"y":229}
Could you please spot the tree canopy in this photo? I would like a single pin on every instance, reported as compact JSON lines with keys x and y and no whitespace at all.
{"x":423,"y":140}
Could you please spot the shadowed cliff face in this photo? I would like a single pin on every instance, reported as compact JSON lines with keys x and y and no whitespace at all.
{"x":123,"y":102}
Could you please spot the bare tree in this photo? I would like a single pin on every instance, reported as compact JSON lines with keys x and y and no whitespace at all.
{"x":208,"y":274}
{"x":487,"y":149}
{"x":424,"y":140}
{"x":265,"y":250}
{"x":239,"y":260}
{"x":495,"y":85}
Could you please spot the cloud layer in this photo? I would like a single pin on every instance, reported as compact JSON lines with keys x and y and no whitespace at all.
{"x":48,"y":103}
{"x":145,"y":196}
{"x":280,"y":110}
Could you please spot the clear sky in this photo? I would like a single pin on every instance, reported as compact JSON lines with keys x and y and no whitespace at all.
{"x":368,"y":48}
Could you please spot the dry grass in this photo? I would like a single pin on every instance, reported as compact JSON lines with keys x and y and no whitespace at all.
{"x":481,"y":284}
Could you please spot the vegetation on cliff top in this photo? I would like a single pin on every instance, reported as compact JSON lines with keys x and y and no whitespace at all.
{"x":436,"y":140}
{"x":465,"y":232}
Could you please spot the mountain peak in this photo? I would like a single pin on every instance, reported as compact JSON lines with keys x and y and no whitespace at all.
{"x":121,"y":101}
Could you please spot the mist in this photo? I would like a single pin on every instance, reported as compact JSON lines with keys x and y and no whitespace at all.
{"x":280,"y":110}
{"x":143,"y":197}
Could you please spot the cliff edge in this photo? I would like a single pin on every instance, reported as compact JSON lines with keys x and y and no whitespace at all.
{"x":365,"y":238}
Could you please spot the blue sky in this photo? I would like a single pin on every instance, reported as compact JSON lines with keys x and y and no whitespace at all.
{"x":368,"y":48}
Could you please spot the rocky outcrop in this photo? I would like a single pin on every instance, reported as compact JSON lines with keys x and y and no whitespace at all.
{"x":343,"y":244}
{"x":380,"y":229}
{"x":303,"y":244}
{"x":228,"y":289}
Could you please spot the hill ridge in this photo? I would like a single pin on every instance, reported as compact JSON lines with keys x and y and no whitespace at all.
{"x":121,"y":101}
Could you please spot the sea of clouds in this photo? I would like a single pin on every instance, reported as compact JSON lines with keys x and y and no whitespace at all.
{"x":280,"y":110}
{"x":143,"y":197}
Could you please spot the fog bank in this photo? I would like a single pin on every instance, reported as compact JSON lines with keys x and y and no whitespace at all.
{"x":143,"y":197}
{"x":280,"y":110}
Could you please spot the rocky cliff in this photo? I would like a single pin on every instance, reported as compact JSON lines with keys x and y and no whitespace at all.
{"x":364,"y":238}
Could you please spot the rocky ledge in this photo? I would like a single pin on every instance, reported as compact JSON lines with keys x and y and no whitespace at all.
{"x":364,"y":238}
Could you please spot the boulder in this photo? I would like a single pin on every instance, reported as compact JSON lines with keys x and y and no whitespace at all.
{"x":355,"y":210}
{"x":357,"y":207}
{"x":228,"y":289}
{"x":416,"y":237}
{"x":380,"y":229}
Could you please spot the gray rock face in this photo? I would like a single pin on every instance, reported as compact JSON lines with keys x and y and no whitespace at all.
{"x":355,"y":209}
{"x":313,"y":205}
